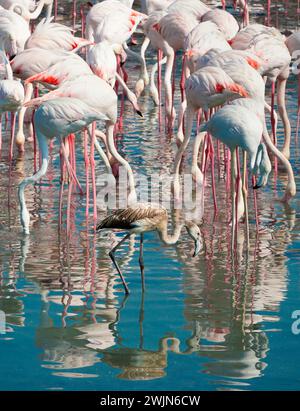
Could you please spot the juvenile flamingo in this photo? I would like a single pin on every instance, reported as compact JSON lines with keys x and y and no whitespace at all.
{"x":143,"y":217}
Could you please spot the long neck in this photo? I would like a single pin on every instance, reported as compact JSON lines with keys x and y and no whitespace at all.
{"x":278,"y":154}
{"x":170,"y":238}
{"x":35,"y":14}
{"x":24,"y":214}
{"x":121,"y":160}
{"x":9,"y":73}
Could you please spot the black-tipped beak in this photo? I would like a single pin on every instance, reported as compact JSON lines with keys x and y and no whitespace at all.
{"x":256,"y":187}
{"x":12,"y":57}
{"x":197,"y":248}
{"x":139,"y":113}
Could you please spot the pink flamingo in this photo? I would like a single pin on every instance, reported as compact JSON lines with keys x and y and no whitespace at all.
{"x":206,"y":88}
{"x":268,"y":43}
{"x":55,"y":118}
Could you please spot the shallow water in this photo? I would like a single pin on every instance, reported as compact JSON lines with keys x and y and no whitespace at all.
{"x":208,"y":323}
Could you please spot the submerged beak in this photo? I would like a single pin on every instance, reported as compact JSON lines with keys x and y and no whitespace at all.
{"x":198,"y":247}
{"x":139,"y":113}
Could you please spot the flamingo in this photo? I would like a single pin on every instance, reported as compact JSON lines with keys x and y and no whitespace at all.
{"x":269,"y":44}
{"x":49,"y":35}
{"x":28,"y":9}
{"x":206,"y":88}
{"x":56,"y":118}
{"x":240,"y":66}
{"x":112,"y":21}
{"x":293,"y":44}
{"x":100,"y":97}
{"x":224,"y":20}
{"x":237,"y":126}
{"x":11,"y":98}
{"x":31,"y":65}
{"x":144,"y":217}
{"x":103,"y":62}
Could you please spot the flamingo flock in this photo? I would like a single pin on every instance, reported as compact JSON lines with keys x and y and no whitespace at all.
{"x":72,"y":81}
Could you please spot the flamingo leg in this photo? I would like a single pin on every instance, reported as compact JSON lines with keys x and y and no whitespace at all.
{"x":233,"y":205}
{"x":69,"y":168}
{"x":112,"y":256}
{"x":12,"y":134}
{"x":87,"y":164}
{"x":245,"y":196}
{"x":141,"y":261}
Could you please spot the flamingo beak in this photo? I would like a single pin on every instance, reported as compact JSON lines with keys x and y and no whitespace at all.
{"x":139,"y":113}
{"x":198,"y":247}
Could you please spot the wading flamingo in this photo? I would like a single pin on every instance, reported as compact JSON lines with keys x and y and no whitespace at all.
{"x":236,"y":126}
{"x":143,"y":217}
{"x":56,"y":118}
{"x":206,"y":88}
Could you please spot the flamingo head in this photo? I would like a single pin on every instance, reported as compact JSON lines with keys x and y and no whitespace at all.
{"x":194,"y":232}
{"x":262,"y":166}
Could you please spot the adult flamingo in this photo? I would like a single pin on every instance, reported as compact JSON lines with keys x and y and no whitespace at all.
{"x":293,"y":44}
{"x":269,"y":44}
{"x":14,"y":32}
{"x":34,"y":62}
{"x":100,"y":97}
{"x":28,"y":9}
{"x":55,"y":118}
{"x":206,"y":88}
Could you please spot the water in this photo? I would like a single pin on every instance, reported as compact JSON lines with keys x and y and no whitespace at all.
{"x":207,"y":323}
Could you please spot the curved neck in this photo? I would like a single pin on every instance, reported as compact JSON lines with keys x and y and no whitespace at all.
{"x":35,"y":14}
{"x":170,"y":239}
{"x":121,"y":160}
{"x":9,"y":73}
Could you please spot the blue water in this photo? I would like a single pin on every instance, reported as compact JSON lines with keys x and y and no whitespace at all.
{"x":207,"y":323}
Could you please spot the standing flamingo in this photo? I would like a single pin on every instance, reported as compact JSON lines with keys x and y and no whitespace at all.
{"x":236,"y":126}
{"x":143,"y":217}
{"x":56,"y":118}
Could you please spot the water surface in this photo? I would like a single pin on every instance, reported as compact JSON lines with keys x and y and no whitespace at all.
{"x":208,"y":323}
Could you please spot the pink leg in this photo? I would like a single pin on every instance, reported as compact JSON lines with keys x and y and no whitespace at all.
{"x":82,"y":20}
{"x":0,"y":132}
{"x":92,"y":162}
{"x":87,"y":164}
{"x":55,"y":10}
{"x":159,"y":57}
{"x":268,"y":12}
{"x":69,"y":206}
{"x":74,"y":14}
{"x":70,"y":169}
{"x":12,"y":135}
